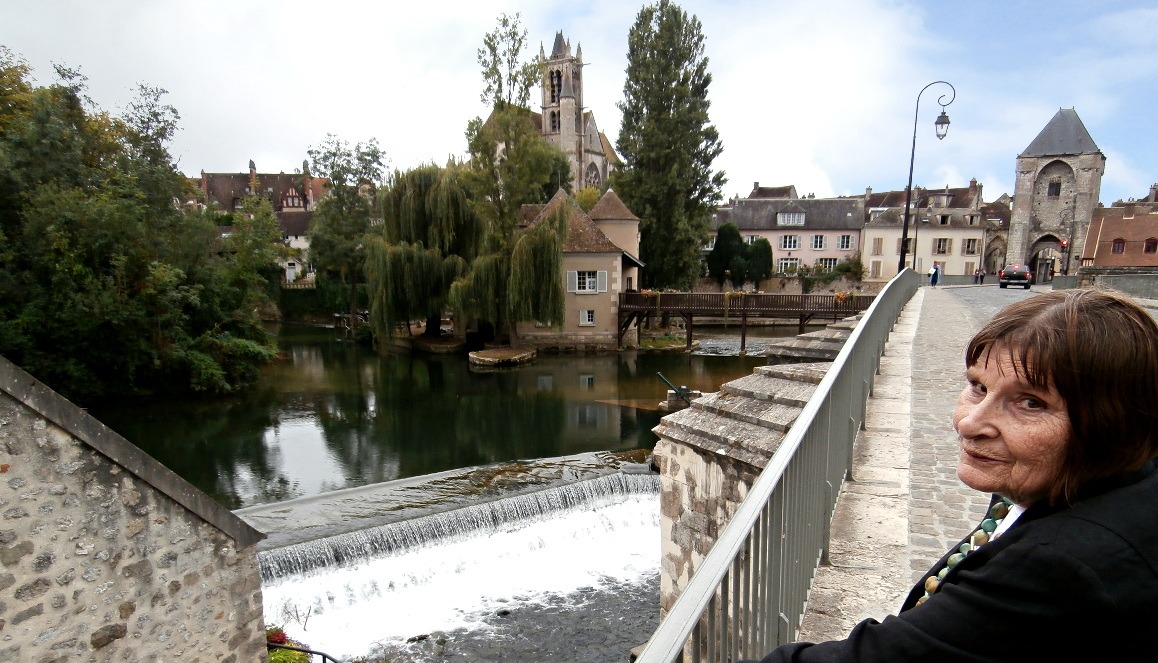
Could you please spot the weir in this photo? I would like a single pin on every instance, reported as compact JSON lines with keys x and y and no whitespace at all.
{"x":359,"y":546}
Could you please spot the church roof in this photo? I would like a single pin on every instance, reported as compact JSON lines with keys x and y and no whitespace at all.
{"x":1064,"y":134}
{"x":611,"y":208}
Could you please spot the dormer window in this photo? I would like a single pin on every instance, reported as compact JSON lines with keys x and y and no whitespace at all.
{"x":790,"y":218}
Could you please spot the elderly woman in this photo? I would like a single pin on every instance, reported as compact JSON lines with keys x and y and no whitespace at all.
{"x":1059,"y":420}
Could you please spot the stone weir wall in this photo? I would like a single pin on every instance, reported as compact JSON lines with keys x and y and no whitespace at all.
{"x":710,"y":454}
{"x":106,"y":555}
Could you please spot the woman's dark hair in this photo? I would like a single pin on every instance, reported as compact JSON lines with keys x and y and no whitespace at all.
{"x":1099,"y":350}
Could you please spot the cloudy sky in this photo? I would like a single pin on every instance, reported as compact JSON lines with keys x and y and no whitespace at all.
{"x":819,"y":94}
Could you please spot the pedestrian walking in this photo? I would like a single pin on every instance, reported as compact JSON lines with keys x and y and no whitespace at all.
{"x":934,"y":275}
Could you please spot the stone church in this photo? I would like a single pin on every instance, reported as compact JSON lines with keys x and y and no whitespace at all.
{"x":1059,"y":182}
{"x":566,"y":123}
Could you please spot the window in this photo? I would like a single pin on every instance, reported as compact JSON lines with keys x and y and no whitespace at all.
{"x":879,"y":246}
{"x":972,"y":219}
{"x":586,"y":382}
{"x":844,"y":242}
{"x":711,"y":243}
{"x":826,"y":264}
{"x":790,"y":218}
{"x":909,"y":245}
{"x":942,"y":245}
{"x":789,"y":265}
{"x":789,"y":242}
{"x":1151,"y":246}
{"x":587,"y":282}
{"x":1119,"y":246}
{"x":1053,"y":190}
{"x":750,"y":238}
{"x":943,"y":219}
{"x":969,"y":248}
{"x":587,"y":318}
{"x":819,"y":242}
{"x":875,"y":269}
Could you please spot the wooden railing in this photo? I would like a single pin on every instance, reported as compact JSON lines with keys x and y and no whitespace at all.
{"x":735,"y":304}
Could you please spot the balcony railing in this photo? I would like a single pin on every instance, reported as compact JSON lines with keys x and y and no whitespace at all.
{"x":748,"y":595}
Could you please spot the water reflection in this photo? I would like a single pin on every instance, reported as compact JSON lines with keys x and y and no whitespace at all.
{"x":332,"y":415}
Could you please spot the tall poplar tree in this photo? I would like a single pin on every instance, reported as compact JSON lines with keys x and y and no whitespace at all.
{"x":668,"y":143}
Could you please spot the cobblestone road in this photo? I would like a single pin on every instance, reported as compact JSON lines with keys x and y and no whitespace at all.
{"x":941,"y":508}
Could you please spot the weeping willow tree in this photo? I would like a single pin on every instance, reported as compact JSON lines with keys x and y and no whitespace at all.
{"x":429,"y":235}
{"x":520,"y":280}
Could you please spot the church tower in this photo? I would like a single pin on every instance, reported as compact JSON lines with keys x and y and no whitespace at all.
{"x":565,"y":122}
{"x":1059,"y":182}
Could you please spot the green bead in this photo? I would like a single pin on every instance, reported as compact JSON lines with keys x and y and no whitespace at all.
{"x":965,"y":548}
{"x":942,"y":573}
{"x":989,"y":525}
{"x":922,"y":599}
{"x":999,"y":510}
{"x":955,"y":559}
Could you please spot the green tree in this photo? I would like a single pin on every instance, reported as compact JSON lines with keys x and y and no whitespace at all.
{"x":728,"y":246}
{"x":511,"y":165}
{"x":343,"y":217}
{"x":106,"y":287}
{"x":668,"y":143}
{"x":430,"y":233}
{"x":588,"y":197}
{"x":759,"y":261}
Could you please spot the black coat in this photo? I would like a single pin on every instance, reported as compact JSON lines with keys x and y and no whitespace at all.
{"x":1076,"y":583}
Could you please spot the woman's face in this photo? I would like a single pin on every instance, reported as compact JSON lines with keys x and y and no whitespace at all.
{"x":1012,"y":434}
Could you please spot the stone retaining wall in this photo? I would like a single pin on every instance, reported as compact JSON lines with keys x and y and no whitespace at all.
{"x":105,"y":555}
{"x":710,"y":454}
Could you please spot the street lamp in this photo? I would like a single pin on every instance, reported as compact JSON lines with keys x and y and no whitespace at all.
{"x":942,"y":127}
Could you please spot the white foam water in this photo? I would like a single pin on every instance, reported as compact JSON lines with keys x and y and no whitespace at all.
{"x":456,"y":579}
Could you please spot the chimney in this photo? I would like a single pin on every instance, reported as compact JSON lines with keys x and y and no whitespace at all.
{"x":755,"y":185}
{"x":868,"y":191}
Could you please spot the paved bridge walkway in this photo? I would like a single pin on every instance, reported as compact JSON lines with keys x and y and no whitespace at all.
{"x":905,"y":506}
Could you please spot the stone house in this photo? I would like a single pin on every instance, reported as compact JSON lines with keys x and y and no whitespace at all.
{"x":293,"y":197}
{"x":813,"y":232}
{"x":107,"y":555}
{"x":947,"y":227}
{"x":599,"y":262}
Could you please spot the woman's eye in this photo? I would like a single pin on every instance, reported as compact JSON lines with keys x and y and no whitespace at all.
{"x":1032,"y":403}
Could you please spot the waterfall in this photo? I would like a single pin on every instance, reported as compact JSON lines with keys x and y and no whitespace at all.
{"x":358,"y":546}
{"x":352,"y":592}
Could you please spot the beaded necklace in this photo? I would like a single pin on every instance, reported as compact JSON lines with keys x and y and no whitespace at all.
{"x":979,"y":537}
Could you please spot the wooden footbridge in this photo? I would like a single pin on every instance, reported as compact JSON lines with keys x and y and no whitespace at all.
{"x":637,"y":307}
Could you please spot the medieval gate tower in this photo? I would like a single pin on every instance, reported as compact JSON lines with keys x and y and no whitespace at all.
{"x":1059,"y":181}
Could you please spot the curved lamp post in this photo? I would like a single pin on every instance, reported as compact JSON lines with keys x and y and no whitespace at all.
{"x":942,"y":127}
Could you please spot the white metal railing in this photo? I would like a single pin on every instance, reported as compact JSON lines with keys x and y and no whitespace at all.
{"x":748,"y":595}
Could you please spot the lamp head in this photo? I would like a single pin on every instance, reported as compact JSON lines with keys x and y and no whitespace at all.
{"x":942,"y":124}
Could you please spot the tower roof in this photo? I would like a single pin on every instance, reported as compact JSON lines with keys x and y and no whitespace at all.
{"x":1064,"y":134}
{"x":611,"y":208}
{"x":561,"y":49}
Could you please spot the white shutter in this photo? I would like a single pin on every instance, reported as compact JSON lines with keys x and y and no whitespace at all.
{"x":572,"y":281}
{"x":601,"y":281}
